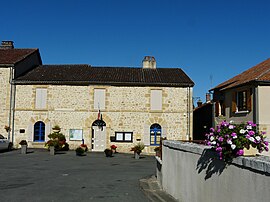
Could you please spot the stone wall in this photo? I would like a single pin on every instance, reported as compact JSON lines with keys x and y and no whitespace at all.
{"x":4,"y":99}
{"x":192,"y":172}
{"x":127,"y":109}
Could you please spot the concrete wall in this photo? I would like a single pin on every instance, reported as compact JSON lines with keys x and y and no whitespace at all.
{"x":127,"y":109}
{"x":191,"y":172}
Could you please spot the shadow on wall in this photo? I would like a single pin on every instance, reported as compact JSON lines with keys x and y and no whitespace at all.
{"x":210,"y":163}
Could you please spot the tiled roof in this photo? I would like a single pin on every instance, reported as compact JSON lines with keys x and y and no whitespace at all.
{"x":85,"y":74}
{"x":12,"y":56}
{"x":260,"y":72}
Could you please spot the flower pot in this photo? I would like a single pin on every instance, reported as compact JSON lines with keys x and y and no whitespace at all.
{"x":52,"y":150}
{"x":56,"y":130}
{"x":136,"y":155}
{"x":81,"y":154}
{"x":24,"y":149}
{"x":250,"y":152}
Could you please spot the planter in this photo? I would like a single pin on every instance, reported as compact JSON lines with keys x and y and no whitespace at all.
{"x":80,"y":154}
{"x":136,"y":155}
{"x":52,"y":150}
{"x":250,"y":152}
{"x":23,"y":149}
{"x":108,"y":152}
{"x":56,"y":130}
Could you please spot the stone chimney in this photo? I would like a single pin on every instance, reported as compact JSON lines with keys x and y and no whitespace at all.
{"x":208,"y":97}
{"x":149,"y":62}
{"x":199,"y":103}
{"x":7,"y":45}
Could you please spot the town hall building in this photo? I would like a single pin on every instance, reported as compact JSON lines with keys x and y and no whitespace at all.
{"x":99,"y":105}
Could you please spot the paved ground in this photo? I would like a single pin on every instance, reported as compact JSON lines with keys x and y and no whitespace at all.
{"x":37,"y":176}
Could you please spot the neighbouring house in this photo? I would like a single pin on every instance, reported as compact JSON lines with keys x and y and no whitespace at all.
{"x":202,"y":118}
{"x":245,"y":97}
{"x":101,"y":105}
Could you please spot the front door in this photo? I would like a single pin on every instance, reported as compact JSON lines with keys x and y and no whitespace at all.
{"x":98,"y":138}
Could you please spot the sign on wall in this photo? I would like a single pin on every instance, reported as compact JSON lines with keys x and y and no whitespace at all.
{"x":75,"y":134}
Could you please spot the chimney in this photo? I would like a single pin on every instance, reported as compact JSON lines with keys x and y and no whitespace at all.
{"x":149,"y":62}
{"x":208,"y":97}
{"x":199,"y":103}
{"x":7,"y":45}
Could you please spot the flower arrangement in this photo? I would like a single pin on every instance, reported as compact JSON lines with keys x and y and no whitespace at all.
{"x":229,"y":139}
{"x":7,"y":128}
{"x":138,"y":148}
{"x":23,"y":142}
{"x":81,"y":150}
{"x":113,"y":147}
{"x":58,"y":140}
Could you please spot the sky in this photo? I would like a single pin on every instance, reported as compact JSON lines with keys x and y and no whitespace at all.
{"x":211,"y":40}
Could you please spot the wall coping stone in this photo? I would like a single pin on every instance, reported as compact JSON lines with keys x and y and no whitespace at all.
{"x":256,"y":163}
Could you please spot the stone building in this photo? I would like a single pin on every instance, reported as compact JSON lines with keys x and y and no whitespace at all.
{"x":102,"y":105}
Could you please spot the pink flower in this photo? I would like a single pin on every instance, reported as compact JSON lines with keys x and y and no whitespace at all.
{"x":251,"y":132}
{"x":266,"y":143}
{"x":240,"y":152}
{"x":219,"y":149}
{"x":220,"y":139}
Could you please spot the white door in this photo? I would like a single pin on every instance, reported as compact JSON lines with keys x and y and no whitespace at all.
{"x":99,"y":139}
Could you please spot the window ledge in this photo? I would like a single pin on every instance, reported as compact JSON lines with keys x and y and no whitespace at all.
{"x":242,"y":112}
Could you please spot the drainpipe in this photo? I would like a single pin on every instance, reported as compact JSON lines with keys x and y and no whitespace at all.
{"x":188,"y":114}
{"x":10,"y":99}
{"x":11,"y":104}
{"x":13,"y":111}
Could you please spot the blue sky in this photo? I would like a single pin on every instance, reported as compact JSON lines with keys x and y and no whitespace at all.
{"x":208,"y":39}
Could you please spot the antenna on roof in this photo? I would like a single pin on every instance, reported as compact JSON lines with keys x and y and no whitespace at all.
{"x":211,"y":80}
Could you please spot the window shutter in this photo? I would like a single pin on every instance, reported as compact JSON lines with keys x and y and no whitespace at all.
{"x":99,"y":98}
{"x":234,"y":102}
{"x":41,"y":98}
{"x":249,"y":106}
{"x":146,"y":136}
{"x":217,"y":109}
{"x":156,"y":99}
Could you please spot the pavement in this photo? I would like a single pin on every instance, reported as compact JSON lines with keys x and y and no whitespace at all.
{"x":39,"y":177}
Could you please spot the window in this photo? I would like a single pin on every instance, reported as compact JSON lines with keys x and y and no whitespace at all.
{"x":39,"y":132}
{"x":99,"y":98}
{"x":41,"y":98}
{"x":155,"y":134}
{"x":241,"y":100}
{"x":123,"y":137}
{"x":156,"y":99}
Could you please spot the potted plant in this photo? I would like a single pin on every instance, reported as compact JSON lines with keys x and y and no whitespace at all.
{"x":23,"y":144}
{"x":137,"y":149}
{"x":57,"y":142}
{"x":113,"y":148}
{"x":158,"y":151}
{"x":56,"y":128}
{"x":81,"y":150}
{"x":230,"y":140}
{"x":108,"y":152}
{"x":7,"y":128}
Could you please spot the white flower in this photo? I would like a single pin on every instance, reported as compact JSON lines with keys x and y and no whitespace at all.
{"x":212,"y":138}
{"x":214,"y":142}
{"x":249,"y":127}
{"x":258,"y":138}
{"x":229,"y":141}
{"x":251,"y":139}
{"x":233,"y":146}
{"x":231,"y":126}
{"x":231,"y":121}
{"x":242,"y":131}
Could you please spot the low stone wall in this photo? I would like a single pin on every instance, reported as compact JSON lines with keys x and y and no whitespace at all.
{"x":192,"y":173}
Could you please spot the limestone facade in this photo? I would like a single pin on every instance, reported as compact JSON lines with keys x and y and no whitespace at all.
{"x":127,"y":109}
